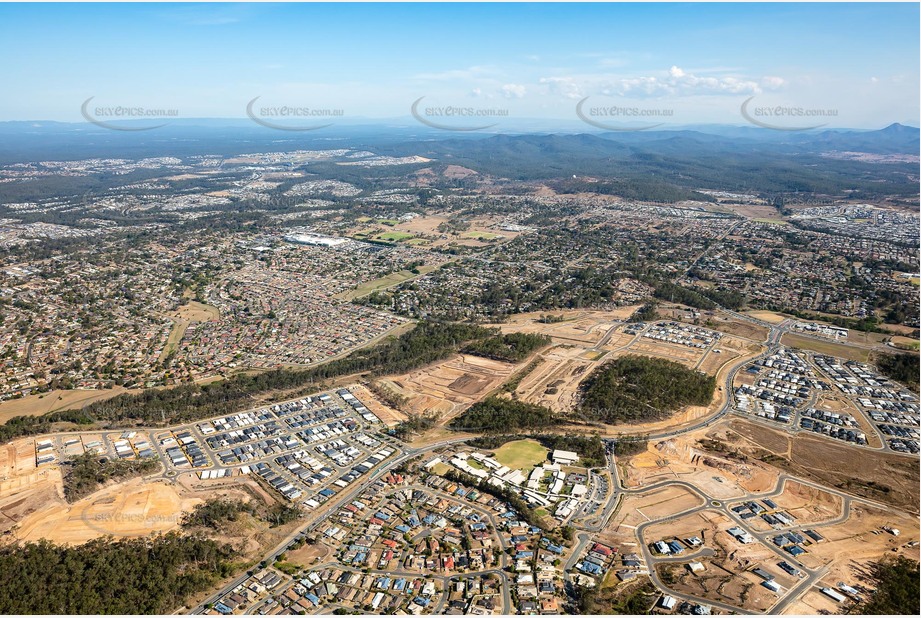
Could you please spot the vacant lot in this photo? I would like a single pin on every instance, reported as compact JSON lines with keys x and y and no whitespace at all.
{"x":885,"y":477}
{"x":767,"y":316}
{"x":36,"y":405}
{"x":656,"y":504}
{"x":741,"y":328}
{"x":449,"y":387}
{"x":808,"y":504}
{"x":394,"y":236}
{"x":195,"y":311}
{"x":385,"y":282}
{"x":826,"y":347}
{"x":130,"y":509}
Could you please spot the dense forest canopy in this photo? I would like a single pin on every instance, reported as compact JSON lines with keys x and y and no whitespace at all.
{"x":495,"y":414}
{"x":140,"y":576}
{"x":637,"y":388}
{"x":511,"y":347}
{"x":902,"y":368}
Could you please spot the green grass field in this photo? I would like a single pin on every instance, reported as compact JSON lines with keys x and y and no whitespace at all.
{"x":521,"y":454}
{"x":441,"y":468}
{"x":385,"y":282}
{"x":473,"y":463}
{"x":480,"y":235}
{"x":394,"y":236}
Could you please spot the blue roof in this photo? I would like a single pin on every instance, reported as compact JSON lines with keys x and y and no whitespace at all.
{"x":402,"y":528}
{"x":588,"y":567}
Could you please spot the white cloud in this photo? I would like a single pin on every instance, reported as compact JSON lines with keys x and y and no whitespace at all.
{"x":674,"y":82}
{"x":513,"y":91}
{"x":771,"y":82}
{"x":563,"y":86}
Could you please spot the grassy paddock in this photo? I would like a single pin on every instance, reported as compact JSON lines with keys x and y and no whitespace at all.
{"x":521,"y":454}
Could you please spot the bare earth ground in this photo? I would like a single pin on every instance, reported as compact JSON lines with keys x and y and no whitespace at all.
{"x":388,"y":415}
{"x":32,"y":506}
{"x":847,"y":551}
{"x":586,"y":339}
{"x":425,"y":229}
{"x":134,"y":508}
{"x":828,"y":463}
{"x":826,"y":347}
{"x":679,"y":459}
{"x":807,"y":504}
{"x":449,"y":387}
{"x":36,"y":405}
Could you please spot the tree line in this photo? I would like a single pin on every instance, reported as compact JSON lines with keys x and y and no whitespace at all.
{"x":104,"y":576}
{"x":85,"y":473}
{"x":510,"y":347}
{"x":428,"y":342}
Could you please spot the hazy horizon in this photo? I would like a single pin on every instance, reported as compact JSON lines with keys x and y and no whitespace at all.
{"x":847,"y":65}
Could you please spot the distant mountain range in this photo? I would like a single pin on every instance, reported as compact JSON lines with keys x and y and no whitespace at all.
{"x":667,"y":162}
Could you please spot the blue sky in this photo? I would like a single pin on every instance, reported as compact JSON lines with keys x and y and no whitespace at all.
{"x":701,"y":61}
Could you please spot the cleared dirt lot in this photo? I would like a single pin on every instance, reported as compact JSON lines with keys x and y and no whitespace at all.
{"x":850,"y":548}
{"x":808,"y":504}
{"x":448,"y":387}
{"x":554,"y":383}
{"x":423,"y":231}
{"x":132,"y":509}
{"x":32,"y":505}
{"x":704,"y":524}
{"x":741,"y":328}
{"x":885,"y":477}
{"x":658,"y":503}
{"x":388,"y":415}
{"x":679,"y":459}
{"x":826,"y":347}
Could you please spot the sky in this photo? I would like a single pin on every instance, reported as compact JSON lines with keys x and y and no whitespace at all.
{"x":677,"y":63}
